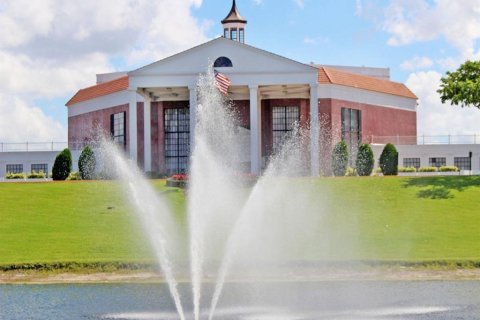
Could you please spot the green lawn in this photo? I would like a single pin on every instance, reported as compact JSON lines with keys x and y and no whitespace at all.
{"x":378,"y":218}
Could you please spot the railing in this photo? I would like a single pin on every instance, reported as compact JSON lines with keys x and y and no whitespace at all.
{"x":32,"y":146}
{"x":427,"y":139}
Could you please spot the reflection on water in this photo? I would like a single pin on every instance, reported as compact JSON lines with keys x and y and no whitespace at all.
{"x":376,"y":300}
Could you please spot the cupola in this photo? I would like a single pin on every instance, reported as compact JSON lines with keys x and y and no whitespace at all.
{"x":234,"y":25}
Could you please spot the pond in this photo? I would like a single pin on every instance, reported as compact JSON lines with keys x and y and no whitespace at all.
{"x":360,"y":300}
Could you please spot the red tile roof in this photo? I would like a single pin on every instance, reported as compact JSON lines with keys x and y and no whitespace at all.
{"x":335,"y":76}
{"x":99,"y":90}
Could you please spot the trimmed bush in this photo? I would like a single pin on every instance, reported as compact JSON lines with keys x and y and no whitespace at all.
{"x":36,"y":175}
{"x":427,"y":169}
{"x":74,"y":176}
{"x":11,"y":176}
{"x":340,"y":159}
{"x":365,"y":160}
{"x":407,"y":169}
{"x":87,"y":163}
{"x":448,"y":169}
{"x":389,"y":160}
{"x":63,"y":165}
{"x":351,"y":172}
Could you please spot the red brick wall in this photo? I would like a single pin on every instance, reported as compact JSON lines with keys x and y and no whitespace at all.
{"x":84,"y":127}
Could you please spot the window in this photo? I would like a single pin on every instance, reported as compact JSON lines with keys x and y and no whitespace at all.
{"x":14,"y":168}
{"x":37,"y":167}
{"x":437,"y":162}
{"x":352,"y":131}
{"x":177,"y":139}
{"x":222,"y":62}
{"x":411,"y":162}
{"x":233,"y":34}
{"x":118,"y":128}
{"x":226,"y":32}
{"x":462,"y":163}
{"x":283,"y":121}
{"x":241,"y":35}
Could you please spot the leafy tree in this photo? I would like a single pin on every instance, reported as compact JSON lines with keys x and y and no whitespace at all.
{"x":87,"y":163}
{"x":62,"y":165}
{"x":462,"y":87}
{"x":389,"y":160}
{"x":365,"y":161}
{"x":340,"y":159}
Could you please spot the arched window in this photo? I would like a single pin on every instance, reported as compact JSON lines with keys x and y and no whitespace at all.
{"x":222,"y":62}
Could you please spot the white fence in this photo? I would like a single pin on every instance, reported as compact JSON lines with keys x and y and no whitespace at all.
{"x":426,"y":139}
{"x":32,"y":146}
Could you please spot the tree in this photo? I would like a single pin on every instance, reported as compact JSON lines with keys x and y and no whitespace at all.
{"x":340,"y":159}
{"x":87,"y":163}
{"x":462,"y":87}
{"x":365,"y":161}
{"x":62,"y":165}
{"x":389,"y":160}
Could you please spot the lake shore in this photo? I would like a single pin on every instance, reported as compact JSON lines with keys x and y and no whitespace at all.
{"x":372,"y":274}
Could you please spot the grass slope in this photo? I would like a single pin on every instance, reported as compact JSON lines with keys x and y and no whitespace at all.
{"x":391,"y":218}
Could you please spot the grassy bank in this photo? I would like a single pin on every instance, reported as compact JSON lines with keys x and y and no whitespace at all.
{"x":415,"y":221}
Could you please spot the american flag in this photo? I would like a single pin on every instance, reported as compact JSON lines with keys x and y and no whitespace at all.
{"x":222,"y":82}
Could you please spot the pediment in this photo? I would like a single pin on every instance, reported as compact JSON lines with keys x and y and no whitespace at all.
{"x":245,"y":59}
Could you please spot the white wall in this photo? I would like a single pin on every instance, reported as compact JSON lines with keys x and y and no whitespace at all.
{"x":26,"y":159}
{"x":424,"y":152}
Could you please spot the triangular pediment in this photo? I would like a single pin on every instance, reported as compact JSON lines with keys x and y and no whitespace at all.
{"x":245,"y":59}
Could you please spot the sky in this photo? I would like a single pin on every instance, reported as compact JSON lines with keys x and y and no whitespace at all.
{"x":51,"y":48}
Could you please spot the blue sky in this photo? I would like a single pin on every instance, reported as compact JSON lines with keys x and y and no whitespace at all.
{"x":51,"y":48}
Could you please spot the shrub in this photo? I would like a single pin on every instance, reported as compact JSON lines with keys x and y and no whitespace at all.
{"x":407,"y":169}
{"x":448,"y":169}
{"x":11,"y":176}
{"x":36,"y":175}
{"x":364,"y":160}
{"x":427,"y":169}
{"x":87,"y":163}
{"x":389,"y":160}
{"x":340,"y":159}
{"x":74,"y":176}
{"x":351,"y":172}
{"x":62,"y":166}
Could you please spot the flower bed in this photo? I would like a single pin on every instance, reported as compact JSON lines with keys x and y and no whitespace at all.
{"x":177,"y":181}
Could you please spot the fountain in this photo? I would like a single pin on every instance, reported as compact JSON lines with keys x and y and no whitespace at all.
{"x":228,"y":223}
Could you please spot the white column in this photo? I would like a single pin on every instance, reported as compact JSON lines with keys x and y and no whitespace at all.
{"x":314,"y":132}
{"x":147,"y":133}
{"x":255,"y":131}
{"x":193,"y":115}
{"x":132,"y":124}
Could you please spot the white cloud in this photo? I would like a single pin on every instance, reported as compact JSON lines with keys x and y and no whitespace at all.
{"x":300,"y":3}
{"x":417,"y":63}
{"x":258,"y":2}
{"x":358,"y":8}
{"x":20,"y":122}
{"x":315,"y":40}
{"x":51,"y":48}
{"x":435,"y":118}
{"x":458,"y":22}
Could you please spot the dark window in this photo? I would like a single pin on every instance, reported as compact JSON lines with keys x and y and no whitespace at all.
{"x":222,"y":62}
{"x":437,"y":162}
{"x":177,"y":139}
{"x":233,"y":34}
{"x":352,"y":131}
{"x":411,"y":162}
{"x":283,"y":121}
{"x":14,"y":168}
{"x":37,"y":167}
{"x":226,"y":32}
{"x":241,"y":35}
{"x":118,"y":128}
{"x":462,"y":163}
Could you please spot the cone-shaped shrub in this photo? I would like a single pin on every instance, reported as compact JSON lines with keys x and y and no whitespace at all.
{"x":389,"y":160}
{"x":62,"y":166}
{"x":365,"y":161}
{"x":340,"y":159}
{"x":87,"y":163}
